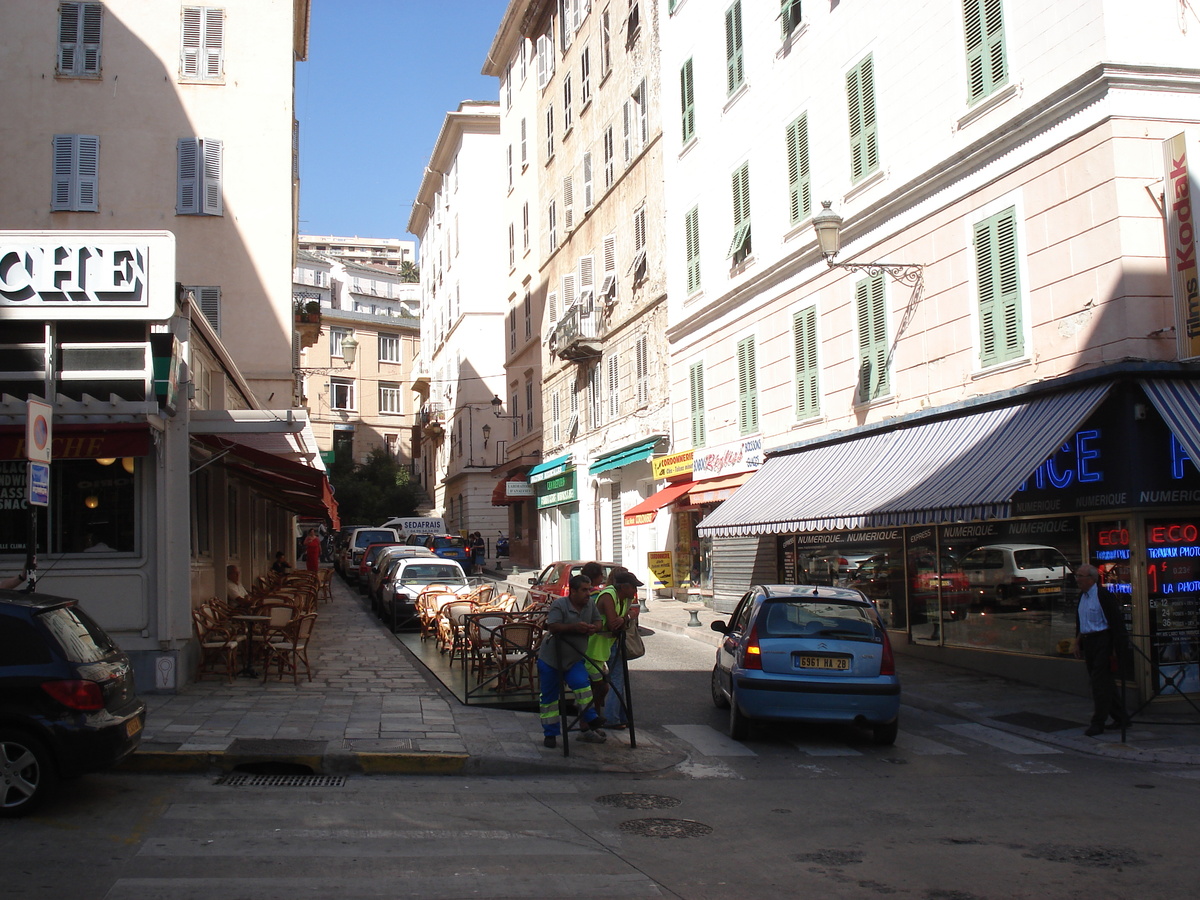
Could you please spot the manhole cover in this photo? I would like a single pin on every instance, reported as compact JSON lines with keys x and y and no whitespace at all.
{"x":630,"y":800}
{"x":1100,"y":857}
{"x":243,"y":779}
{"x":666,"y":828}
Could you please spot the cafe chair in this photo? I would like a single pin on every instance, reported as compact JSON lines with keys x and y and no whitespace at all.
{"x":291,"y":651}
{"x":218,"y":646}
{"x":515,"y":645}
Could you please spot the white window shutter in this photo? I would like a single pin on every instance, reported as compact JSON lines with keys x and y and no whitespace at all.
{"x":587,"y":274}
{"x":189,"y":55}
{"x":614,"y":386}
{"x":568,"y":290}
{"x":214,"y":42}
{"x":552,"y":305}
{"x":187,"y":193}
{"x":627,"y":119}
{"x":212,"y":152}
{"x":543,"y":57}
{"x":568,"y":203}
{"x":610,"y":254}
{"x":588,"y":193}
{"x":68,"y":37}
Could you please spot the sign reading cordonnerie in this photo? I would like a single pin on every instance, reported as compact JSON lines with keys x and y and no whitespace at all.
{"x":87,"y":275}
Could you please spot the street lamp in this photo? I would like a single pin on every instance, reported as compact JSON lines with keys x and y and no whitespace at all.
{"x":487,"y":433}
{"x":349,"y":354}
{"x":828,"y":226}
{"x":497,"y":405}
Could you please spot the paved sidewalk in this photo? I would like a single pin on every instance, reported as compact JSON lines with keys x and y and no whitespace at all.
{"x":371,"y":707}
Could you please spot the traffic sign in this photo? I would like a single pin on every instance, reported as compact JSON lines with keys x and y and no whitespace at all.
{"x":39,"y":483}
{"x":38,"y":431}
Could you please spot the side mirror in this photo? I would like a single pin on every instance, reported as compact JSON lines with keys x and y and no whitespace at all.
{"x":719,"y":627}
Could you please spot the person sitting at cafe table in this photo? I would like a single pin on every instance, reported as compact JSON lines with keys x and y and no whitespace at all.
{"x":281,"y":565}
{"x":235,"y":591}
{"x":570,"y":621}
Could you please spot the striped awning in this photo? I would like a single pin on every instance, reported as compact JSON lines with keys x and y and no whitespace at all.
{"x":550,"y":468}
{"x":1178,"y":402}
{"x":623,"y":457}
{"x":945,"y":470}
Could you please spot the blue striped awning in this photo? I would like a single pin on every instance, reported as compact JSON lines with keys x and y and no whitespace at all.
{"x":548,"y":469}
{"x":946,"y":470}
{"x":1178,"y":402}
{"x":623,"y":457}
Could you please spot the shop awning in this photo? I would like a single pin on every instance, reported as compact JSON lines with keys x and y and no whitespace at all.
{"x":292,"y":484}
{"x":500,"y":495}
{"x":716,"y":490}
{"x":82,"y":441}
{"x":948,"y":469}
{"x":1178,"y":402}
{"x":623,"y":457}
{"x":550,"y":468}
{"x":644,"y":512}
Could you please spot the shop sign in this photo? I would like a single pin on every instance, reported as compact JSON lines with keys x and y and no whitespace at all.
{"x":557,"y":491}
{"x":672,"y":466}
{"x":1181,"y":157}
{"x":518,"y":489}
{"x":662,"y":568}
{"x":727,"y":459}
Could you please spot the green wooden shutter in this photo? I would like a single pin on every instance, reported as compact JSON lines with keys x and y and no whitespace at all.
{"x":735,"y":69}
{"x":691,"y":228}
{"x":696,"y":392}
{"x":741,"y":212}
{"x":747,"y":387}
{"x":864,"y":136}
{"x":1001,"y":334}
{"x":799,"y":186}
{"x":870,"y":300}
{"x":688,"y":101}
{"x":789,"y":15}
{"x":987,"y":66}
{"x":804,"y":340}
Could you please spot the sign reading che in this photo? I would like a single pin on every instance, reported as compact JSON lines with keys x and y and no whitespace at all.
{"x":87,"y":275}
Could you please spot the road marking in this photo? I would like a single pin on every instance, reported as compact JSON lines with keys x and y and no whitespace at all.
{"x":923,"y":746}
{"x":1000,"y":739}
{"x":824,"y":749}
{"x":710,"y":742}
{"x":1035,"y":768}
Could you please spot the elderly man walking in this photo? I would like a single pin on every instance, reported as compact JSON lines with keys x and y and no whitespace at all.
{"x":1100,"y":636}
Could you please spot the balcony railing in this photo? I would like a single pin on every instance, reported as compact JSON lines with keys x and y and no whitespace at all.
{"x":577,"y":335}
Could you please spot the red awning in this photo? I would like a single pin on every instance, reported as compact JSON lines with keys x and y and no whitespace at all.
{"x":294,"y":485}
{"x":111,"y":440}
{"x":644,"y":512}
{"x":716,"y":490}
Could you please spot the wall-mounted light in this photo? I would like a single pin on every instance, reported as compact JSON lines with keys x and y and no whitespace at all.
{"x":127,"y":464}
{"x":497,"y":405}
{"x":487,"y":433}
{"x":91,"y":501}
{"x":107,"y":461}
{"x":828,"y":226}
{"x":349,"y":355}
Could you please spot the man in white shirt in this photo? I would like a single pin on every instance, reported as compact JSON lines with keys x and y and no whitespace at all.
{"x":1099,"y":635}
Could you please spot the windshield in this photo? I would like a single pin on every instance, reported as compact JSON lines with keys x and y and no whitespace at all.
{"x":815,"y":618}
{"x":429,"y":573}
{"x":444,"y":543}
{"x":362,"y":538}
{"x":82,"y":639}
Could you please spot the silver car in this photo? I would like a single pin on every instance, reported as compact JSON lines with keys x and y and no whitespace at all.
{"x":411,"y":576}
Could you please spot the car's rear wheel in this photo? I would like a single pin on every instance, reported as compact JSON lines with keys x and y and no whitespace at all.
{"x":718,"y":695}
{"x":26,"y":773}
{"x":739,"y":725}
{"x":886,"y":734}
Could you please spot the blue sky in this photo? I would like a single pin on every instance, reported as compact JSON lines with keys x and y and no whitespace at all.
{"x":380,"y":77}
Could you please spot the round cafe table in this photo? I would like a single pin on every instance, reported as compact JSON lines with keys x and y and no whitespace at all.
{"x":248,"y":669}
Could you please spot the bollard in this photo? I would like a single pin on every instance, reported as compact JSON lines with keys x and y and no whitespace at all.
{"x":694,"y":621}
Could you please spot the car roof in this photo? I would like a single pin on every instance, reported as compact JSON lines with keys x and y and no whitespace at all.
{"x":35,"y":602}
{"x":1014,"y":547}
{"x":810,"y":592}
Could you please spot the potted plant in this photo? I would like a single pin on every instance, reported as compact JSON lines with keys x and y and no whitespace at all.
{"x":308,"y":312}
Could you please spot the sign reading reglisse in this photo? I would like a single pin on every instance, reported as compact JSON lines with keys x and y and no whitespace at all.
{"x":87,"y":275}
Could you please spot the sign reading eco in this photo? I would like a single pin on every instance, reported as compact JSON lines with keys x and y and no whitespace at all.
{"x":87,"y":275}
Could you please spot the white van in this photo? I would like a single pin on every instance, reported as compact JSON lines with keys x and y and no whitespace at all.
{"x":407,"y":525}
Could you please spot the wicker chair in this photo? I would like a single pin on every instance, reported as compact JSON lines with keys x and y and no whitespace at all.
{"x":292,"y":651}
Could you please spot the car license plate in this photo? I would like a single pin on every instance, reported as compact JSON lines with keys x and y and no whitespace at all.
{"x":824,"y":662}
{"x":1047,"y":590}
{"x":133,"y":726}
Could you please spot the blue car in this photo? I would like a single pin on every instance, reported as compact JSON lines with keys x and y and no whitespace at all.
{"x":806,"y":653}
{"x":447,"y":546}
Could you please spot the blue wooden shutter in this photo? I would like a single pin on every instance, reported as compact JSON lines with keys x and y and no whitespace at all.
{"x":187,"y":190}
{"x":79,"y":38}
{"x":87,"y":172}
{"x":1001,"y":334}
{"x":804,"y":341}
{"x":211,"y":160}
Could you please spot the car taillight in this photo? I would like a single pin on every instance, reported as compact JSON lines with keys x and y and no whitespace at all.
{"x":1020,"y":579}
{"x":84,"y":696}
{"x":887,"y":665}
{"x":752,"y":656}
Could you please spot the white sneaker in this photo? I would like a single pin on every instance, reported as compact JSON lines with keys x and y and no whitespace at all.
{"x":593,"y":736}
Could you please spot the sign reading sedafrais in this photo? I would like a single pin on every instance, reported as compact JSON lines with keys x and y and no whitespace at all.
{"x":1181,"y":156}
{"x":87,"y":275}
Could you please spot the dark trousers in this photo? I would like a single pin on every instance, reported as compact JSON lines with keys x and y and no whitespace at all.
{"x":1097,"y":651}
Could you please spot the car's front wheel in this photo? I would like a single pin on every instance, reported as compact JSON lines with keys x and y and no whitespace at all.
{"x":718,"y":695}
{"x":739,"y":725}
{"x":26,"y":773}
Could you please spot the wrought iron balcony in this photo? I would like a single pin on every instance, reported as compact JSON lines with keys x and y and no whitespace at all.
{"x":577,"y":334}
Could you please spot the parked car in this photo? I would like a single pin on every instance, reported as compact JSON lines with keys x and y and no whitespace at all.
{"x":412,"y":576}
{"x":370,"y":554}
{"x":805,"y":653}
{"x":554,"y":579}
{"x":356,"y":544}
{"x":340,"y":539}
{"x":67,"y":698}
{"x":933,"y":579}
{"x":384,"y":568}
{"x":447,"y":546}
{"x":1015,"y":576}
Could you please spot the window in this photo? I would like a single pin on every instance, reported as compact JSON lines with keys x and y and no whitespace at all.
{"x":568,"y":121}
{"x":871,"y":304}
{"x":1001,"y":336}
{"x":864,"y":138}
{"x":512,"y":330}
{"x":789,"y":16}
{"x":389,"y":348}
{"x":203,"y":53}
{"x":735,"y":73}
{"x":747,"y":387}
{"x":389,"y":398}
{"x":585,"y":77}
{"x":568,"y":290}
{"x":691,"y":233}
{"x":739,"y":247}
{"x":552,"y":227}
{"x":527,"y":309}
{"x":515,"y":411}
{"x":549,"y":133}
{"x":799,"y":181}
{"x":589,"y":192}
{"x":636,"y":122}
{"x":595,"y":397}
{"x":804,"y":343}
{"x":79,"y":38}
{"x":605,"y":43}
{"x":510,"y":166}
{"x":614,"y":386}
{"x":76,"y":181}
{"x":633,"y":24}
{"x":608,"y":285}
{"x":642,"y":369}
{"x":208,"y":300}
{"x":528,"y":403}
{"x":341,"y":393}
{"x":512,"y":245}
{"x":568,"y":196}
{"x":696,"y":400}
{"x":608,"y":157}
{"x":545,"y":59}
{"x":638,"y":266}
{"x":987,"y":67}
{"x":587,"y":284}
{"x":687,"y":101}
{"x":524,"y":145}
{"x":525,"y":225}
{"x":198,"y":190}
{"x":336,"y":337}
{"x":555,"y":418}
{"x":641,"y":98}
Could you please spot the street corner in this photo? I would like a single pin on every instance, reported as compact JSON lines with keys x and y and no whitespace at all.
{"x":401,"y":763}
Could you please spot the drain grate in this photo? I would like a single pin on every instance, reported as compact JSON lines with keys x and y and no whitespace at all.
{"x":666,"y":828}
{"x":630,"y":800}
{"x":244,"y":779}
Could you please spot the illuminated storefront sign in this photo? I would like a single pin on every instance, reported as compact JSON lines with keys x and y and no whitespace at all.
{"x":727,"y":459}
{"x":1179,"y":158}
